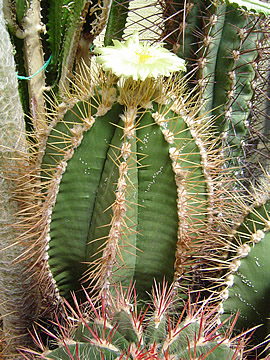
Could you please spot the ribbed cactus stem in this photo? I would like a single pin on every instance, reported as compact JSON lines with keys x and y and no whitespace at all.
{"x":223,"y":44}
{"x":146,"y":157}
{"x":18,"y":289}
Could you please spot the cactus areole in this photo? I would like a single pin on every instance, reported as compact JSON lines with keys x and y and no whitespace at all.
{"x":129,"y":174}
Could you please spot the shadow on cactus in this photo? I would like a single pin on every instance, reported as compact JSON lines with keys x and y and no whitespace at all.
{"x":117,"y":329}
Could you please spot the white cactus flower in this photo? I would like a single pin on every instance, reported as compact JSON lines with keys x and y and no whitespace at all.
{"x":138,"y":60}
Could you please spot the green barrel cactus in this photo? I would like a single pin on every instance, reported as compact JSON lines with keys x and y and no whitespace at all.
{"x":131,"y":151}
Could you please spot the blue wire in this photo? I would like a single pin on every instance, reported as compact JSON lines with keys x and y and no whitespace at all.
{"x":44,"y":67}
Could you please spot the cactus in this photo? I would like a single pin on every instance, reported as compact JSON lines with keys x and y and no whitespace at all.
{"x":131,"y":177}
{"x":230,"y":63}
{"x":130,"y":154}
{"x":19,"y":307}
{"x":121,"y":331}
{"x":249,"y":250}
{"x":224,"y":46}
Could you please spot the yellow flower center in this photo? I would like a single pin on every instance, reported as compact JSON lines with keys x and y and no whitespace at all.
{"x":143,"y":55}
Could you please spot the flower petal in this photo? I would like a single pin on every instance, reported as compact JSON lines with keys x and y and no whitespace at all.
{"x":138,"y":60}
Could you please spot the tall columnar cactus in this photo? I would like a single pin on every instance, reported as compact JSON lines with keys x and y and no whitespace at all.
{"x":132,"y":166}
{"x":19,"y":307}
{"x":225,"y":47}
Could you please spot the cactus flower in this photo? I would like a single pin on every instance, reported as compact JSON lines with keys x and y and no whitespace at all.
{"x":138,"y":60}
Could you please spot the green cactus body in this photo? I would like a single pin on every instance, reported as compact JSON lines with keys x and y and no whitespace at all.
{"x":113,"y":170}
{"x":247,"y":283}
{"x":227,"y":72}
{"x":193,"y":21}
{"x":208,"y":61}
{"x":65,"y":22}
{"x":88,"y":157}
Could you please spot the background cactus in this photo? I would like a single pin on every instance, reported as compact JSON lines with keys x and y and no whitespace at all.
{"x":17,"y":301}
{"x":128,"y":185}
{"x":225,"y":48}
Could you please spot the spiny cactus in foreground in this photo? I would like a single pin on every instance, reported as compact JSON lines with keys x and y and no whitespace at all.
{"x":121,"y":329}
